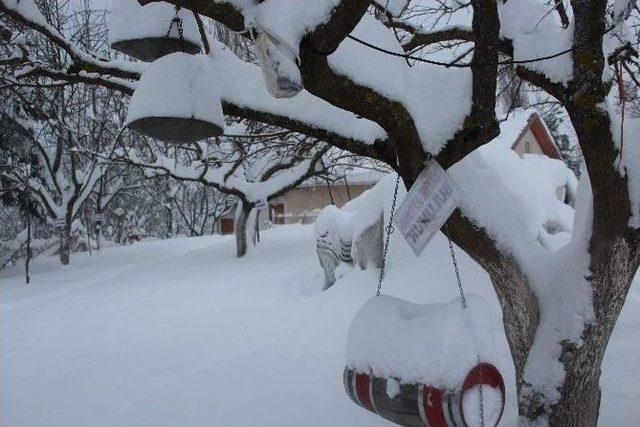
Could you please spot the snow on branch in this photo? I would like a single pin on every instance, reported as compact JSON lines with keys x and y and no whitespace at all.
{"x":231,"y":177}
{"x":244,"y":93}
{"x":27,"y":13}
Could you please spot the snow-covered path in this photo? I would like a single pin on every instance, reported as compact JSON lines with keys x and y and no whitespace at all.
{"x":181,"y":333}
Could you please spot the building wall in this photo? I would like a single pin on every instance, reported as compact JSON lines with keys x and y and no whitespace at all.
{"x":535,"y":148}
{"x":301,"y":202}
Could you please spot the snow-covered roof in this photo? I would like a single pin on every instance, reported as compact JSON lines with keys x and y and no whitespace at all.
{"x":517,"y":124}
{"x":354,"y":177}
{"x":512,"y":129}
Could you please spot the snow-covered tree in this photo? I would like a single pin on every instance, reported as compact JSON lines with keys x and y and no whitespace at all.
{"x":252,"y":171}
{"x":363,"y":94}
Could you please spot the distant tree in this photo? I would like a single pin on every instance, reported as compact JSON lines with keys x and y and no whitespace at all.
{"x":569,"y":150}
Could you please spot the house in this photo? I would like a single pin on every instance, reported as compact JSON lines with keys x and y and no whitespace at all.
{"x":529,"y":134}
{"x":303,"y":203}
{"x":524,"y":131}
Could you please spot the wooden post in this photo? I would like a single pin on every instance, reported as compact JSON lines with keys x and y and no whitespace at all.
{"x":27,"y":263}
{"x":346,"y":184}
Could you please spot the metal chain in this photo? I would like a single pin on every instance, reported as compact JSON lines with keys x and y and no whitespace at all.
{"x":178,"y":21}
{"x":454,"y":261}
{"x":389,"y":231}
{"x":481,"y":397}
{"x":457,"y":270}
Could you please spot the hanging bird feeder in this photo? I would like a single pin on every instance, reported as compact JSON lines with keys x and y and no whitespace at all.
{"x":414,"y":364}
{"x":425,"y":364}
{"x":177,"y":100}
{"x":152,"y":31}
{"x":419,"y":405}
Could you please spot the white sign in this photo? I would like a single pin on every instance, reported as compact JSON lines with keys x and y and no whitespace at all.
{"x":99,"y":217}
{"x":430,"y":201}
{"x":262,"y":204}
{"x":59,"y":222}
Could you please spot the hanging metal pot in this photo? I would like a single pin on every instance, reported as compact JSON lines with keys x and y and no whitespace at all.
{"x":177,"y":100}
{"x":152,"y":31}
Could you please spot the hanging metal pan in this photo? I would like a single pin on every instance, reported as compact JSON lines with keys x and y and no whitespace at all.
{"x":149,"y":49}
{"x":175,"y":130}
{"x":177,"y":100}
{"x":152,"y":31}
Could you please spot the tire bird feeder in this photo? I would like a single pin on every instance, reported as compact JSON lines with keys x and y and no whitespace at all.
{"x":401,"y":367}
{"x":425,"y":364}
{"x":177,"y":100}
{"x":152,"y":31}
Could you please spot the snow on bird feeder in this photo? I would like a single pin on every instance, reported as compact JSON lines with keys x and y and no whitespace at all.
{"x":152,"y":31}
{"x":177,"y":100}
{"x":418,"y":365}
{"x":278,"y":63}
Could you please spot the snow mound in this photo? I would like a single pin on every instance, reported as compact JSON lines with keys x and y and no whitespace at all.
{"x":288,"y":21}
{"x":513,"y":196}
{"x":434,"y":344}
{"x":178,"y":85}
{"x":358,"y":214}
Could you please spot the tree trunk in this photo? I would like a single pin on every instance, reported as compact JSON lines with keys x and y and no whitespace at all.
{"x":65,"y":243}
{"x":98,"y":235}
{"x":240,"y":231}
{"x":580,"y":394}
{"x":614,"y":250}
{"x":579,"y":400}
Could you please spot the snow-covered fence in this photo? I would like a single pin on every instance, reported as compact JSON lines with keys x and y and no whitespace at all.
{"x":13,"y":250}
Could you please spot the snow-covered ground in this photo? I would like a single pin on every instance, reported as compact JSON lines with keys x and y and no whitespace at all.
{"x":181,"y":333}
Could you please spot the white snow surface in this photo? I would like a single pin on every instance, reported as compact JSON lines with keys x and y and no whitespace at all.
{"x":536,"y":32}
{"x":242,"y":84}
{"x":514,"y":198}
{"x":391,"y":337}
{"x":129,"y":20}
{"x":420,"y":88}
{"x":178,"y":85}
{"x":287,"y":21}
{"x":180,"y":332}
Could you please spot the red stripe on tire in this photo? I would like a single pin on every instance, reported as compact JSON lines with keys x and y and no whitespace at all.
{"x":433,"y":409}
{"x":362,"y":390}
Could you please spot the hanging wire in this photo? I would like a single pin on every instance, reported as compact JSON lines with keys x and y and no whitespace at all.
{"x":455,"y":65}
